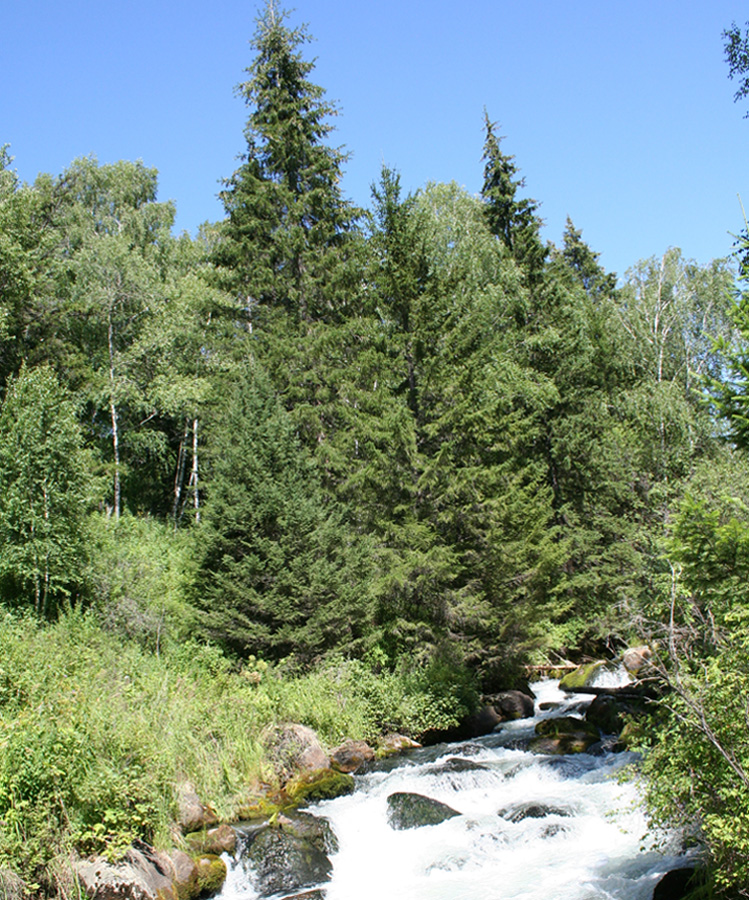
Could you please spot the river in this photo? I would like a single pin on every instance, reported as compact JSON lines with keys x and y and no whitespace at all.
{"x":530,"y":827}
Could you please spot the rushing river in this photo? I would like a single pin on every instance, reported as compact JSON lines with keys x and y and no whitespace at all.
{"x":530,"y":827}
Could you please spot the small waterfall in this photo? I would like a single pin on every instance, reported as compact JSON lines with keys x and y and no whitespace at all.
{"x":529,"y":827}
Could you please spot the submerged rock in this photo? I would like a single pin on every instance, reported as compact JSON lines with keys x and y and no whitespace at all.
{"x":290,"y":856}
{"x":533,"y":811}
{"x":407,"y":810}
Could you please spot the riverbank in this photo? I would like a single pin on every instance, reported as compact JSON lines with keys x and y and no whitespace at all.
{"x":98,"y":734}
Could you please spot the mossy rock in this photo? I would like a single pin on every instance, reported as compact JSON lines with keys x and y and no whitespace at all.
{"x":320,"y":784}
{"x":583,"y":676}
{"x":566,"y":725}
{"x":211,"y":874}
{"x":563,"y":744}
{"x":408,"y":810}
{"x":212,"y":841}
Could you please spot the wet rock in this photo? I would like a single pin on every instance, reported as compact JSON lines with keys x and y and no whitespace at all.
{"x":291,"y":856}
{"x":513,"y":705}
{"x":483,"y":721}
{"x":605,"y":713}
{"x":293,"y":748}
{"x":192,"y":815}
{"x":216,"y":841}
{"x":584,"y":676}
{"x":390,"y":744}
{"x":533,"y":811}
{"x":563,"y":735}
{"x":319,"y":784}
{"x":184,"y":875}
{"x":457,"y":764}
{"x":351,"y":756}
{"x":407,"y":810}
{"x":211,"y":873}
{"x":677,"y":884}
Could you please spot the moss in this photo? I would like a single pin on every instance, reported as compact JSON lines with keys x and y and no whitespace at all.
{"x":583,"y":676}
{"x":211,"y":874}
{"x":320,"y":784}
{"x":565,"y":725}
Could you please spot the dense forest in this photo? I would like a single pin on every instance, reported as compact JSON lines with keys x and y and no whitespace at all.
{"x":411,"y":449}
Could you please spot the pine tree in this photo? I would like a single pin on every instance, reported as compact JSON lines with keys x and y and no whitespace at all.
{"x":288,"y":225}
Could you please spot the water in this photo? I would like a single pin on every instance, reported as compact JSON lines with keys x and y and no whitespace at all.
{"x":530,"y":827}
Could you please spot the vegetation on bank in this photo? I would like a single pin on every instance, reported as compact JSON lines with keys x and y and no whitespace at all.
{"x":347,"y":467}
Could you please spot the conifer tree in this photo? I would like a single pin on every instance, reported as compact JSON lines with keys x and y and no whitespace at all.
{"x":512,"y":219}
{"x":282,"y":244}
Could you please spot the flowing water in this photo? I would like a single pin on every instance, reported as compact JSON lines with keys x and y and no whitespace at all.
{"x":530,"y":827}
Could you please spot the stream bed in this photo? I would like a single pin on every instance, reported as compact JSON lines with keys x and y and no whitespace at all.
{"x":528,"y":826}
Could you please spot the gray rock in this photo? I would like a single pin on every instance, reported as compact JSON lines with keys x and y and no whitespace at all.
{"x":144,"y":874}
{"x":291,"y":856}
{"x":407,"y":810}
{"x":192,"y":815}
{"x":513,"y":704}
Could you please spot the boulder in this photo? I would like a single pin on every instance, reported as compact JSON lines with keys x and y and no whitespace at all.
{"x":483,"y":721}
{"x":184,"y":875}
{"x":211,"y":873}
{"x":319,"y":784}
{"x":214,"y":841}
{"x":407,"y":810}
{"x":634,"y":659}
{"x":583,"y":676}
{"x":390,"y":744}
{"x":605,"y":713}
{"x":192,"y":815}
{"x":143,"y":874}
{"x":351,"y":756}
{"x":290,"y":856}
{"x":563,"y":735}
{"x":293,"y":748}
{"x":677,"y":884}
{"x":513,"y":704}
{"x":532,"y":811}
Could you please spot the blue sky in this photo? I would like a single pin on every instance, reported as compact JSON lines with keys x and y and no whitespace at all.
{"x":619,"y":114}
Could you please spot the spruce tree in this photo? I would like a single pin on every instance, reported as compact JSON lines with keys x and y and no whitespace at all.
{"x":288,"y":224}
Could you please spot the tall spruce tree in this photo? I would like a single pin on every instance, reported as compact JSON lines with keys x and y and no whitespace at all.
{"x":287,"y":225}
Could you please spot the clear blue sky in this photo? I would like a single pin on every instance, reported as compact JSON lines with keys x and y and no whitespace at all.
{"x":619,"y":114}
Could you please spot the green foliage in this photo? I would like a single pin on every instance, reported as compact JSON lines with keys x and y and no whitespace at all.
{"x":281,"y":573}
{"x":288,"y":225}
{"x":44,"y":493}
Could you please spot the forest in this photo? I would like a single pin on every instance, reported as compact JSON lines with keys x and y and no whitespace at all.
{"x":353,"y":466}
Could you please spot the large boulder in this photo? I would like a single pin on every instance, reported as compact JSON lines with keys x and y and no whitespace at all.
{"x":351,"y":756}
{"x":513,"y":704}
{"x":143,"y":874}
{"x":293,"y":748}
{"x":291,"y":855}
{"x":407,"y":810}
